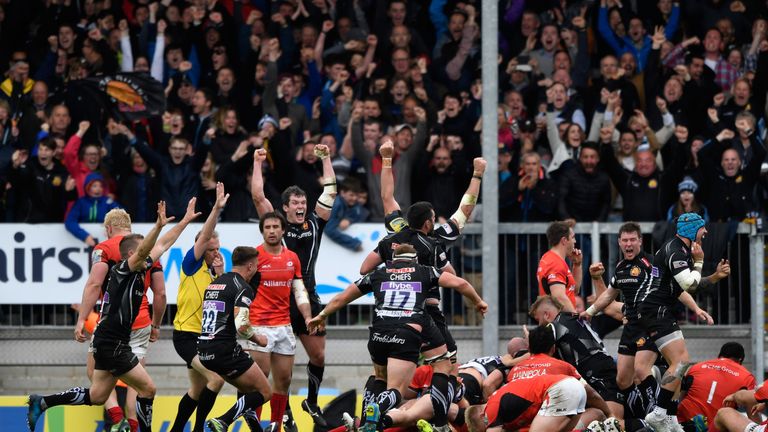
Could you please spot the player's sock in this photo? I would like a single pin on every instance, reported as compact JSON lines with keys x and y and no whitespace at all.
{"x":144,"y":413}
{"x":187,"y":406}
{"x":459,"y":420}
{"x":373,"y":388}
{"x":441,"y":396}
{"x":134,"y":425}
{"x":672,"y":410}
{"x":315,"y":377}
{"x":389,"y":399}
{"x":664,"y":402}
{"x":385,"y":422}
{"x":73,"y":396}
{"x":249,"y":400}
{"x":277,"y":408}
{"x":204,"y":406}
{"x":115,"y":414}
{"x":649,"y":391}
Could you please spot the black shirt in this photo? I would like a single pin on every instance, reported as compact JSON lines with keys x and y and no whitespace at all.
{"x":673,"y":258}
{"x":400,"y":290}
{"x":447,"y":233}
{"x":222,"y":296}
{"x":430,"y":251}
{"x":121,"y":302}
{"x":575,"y":340}
{"x":633,"y":278}
{"x":489,"y":364}
{"x":304,"y":239}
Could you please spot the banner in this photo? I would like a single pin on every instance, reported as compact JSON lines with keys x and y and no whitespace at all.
{"x":13,"y":415}
{"x":45,"y":264}
{"x":131,"y":96}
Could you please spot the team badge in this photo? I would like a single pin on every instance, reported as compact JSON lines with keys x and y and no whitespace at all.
{"x":305,"y":226}
{"x":652,"y":184}
{"x":635,"y":271}
{"x":738,"y":179}
{"x":640,"y":342}
{"x":56,"y":181}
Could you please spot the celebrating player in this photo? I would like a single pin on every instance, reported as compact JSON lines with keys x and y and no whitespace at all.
{"x":199,"y":267}
{"x":111,"y":351}
{"x":400,"y":327}
{"x":303,"y":235}
{"x":117,"y":224}
{"x":554,"y":276}
{"x":676,"y":269}
{"x":225,"y":317}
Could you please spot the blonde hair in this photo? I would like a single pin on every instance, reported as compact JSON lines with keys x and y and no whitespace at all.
{"x":475,"y":418}
{"x":118,"y":218}
{"x":545,"y":299}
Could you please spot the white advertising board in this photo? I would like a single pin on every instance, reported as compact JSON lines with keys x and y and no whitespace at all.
{"x":45,"y":264}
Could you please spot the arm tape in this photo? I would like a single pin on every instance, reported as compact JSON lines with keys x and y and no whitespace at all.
{"x":300,"y":292}
{"x":329,"y":192}
{"x":688,"y":279}
{"x":242,"y":320}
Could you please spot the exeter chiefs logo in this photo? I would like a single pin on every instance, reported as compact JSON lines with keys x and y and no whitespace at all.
{"x":128,"y":96}
{"x":641,"y":342}
{"x":635,"y":271}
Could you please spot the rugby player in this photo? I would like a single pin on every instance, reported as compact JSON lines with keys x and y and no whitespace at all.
{"x":676,"y":269}
{"x":201,"y":264}
{"x":553,"y":274}
{"x":278,"y":279}
{"x":400,"y":327}
{"x":112,"y":354}
{"x":225,"y":317}
{"x":117,"y":224}
{"x":303,"y":235}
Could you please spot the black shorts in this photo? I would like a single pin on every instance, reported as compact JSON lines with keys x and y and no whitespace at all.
{"x":227,"y":360}
{"x":473,"y":391}
{"x":660,"y":324}
{"x":431,"y":336}
{"x":439,"y":318}
{"x":115,"y":357}
{"x":297,"y":319}
{"x":634,"y":338}
{"x":185,"y":344}
{"x":604,"y":324}
{"x":600,"y":372}
{"x":400,"y":342}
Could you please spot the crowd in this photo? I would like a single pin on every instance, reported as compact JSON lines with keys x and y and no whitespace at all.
{"x":608,"y":110}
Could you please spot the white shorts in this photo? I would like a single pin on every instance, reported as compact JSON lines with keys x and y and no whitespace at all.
{"x":280,"y":340}
{"x":754,"y":427}
{"x":139,"y":341}
{"x":564,"y":398}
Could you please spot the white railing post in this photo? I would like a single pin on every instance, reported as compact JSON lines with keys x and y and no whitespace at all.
{"x":757,"y":259}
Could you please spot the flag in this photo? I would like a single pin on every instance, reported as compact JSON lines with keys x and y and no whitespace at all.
{"x":126,"y":96}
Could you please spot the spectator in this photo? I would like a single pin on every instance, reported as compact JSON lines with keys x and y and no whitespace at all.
{"x":533,"y":196}
{"x":41,"y":186}
{"x":346,"y":211}
{"x":84,"y":160}
{"x":441,"y":180}
{"x":585,"y":191}
{"x":90,"y":208}
{"x":687,"y":202}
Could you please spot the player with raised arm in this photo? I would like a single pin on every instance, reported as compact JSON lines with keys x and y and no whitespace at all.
{"x":112,"y":354}
{"x":553,"y":274}
{"x":303,"y":235}
{"x":676,"y":269}
{"x":117,"y":224}
{"x":202,"y":263}
{"x":398,"y":330}
{"x":226,"y":305}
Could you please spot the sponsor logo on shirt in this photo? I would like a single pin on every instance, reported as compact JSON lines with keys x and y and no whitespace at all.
{"x":217,"y":305}
{"x":378,"y":337}
{"x":216,"y":287}
{"x":655,"y":271}
{"x":528,"y":374}
{"x":401,"y":270}
{"x":679,"y":264}
{"x":401,"y":286}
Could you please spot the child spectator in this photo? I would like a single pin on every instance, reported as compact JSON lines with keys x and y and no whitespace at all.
{"x":346,"y":211}
{"x":90,"y":209}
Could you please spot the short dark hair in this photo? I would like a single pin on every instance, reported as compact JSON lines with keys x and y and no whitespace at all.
{"x":418,"y":213}
{"x":350,"y":184}
{"x":591,"y":145}
{"x":291,"y":191}
{"x":556,"y":231}
{"x":243,"y":254}
{"x":732,"y":350}
{"x":541,"y":339}
{"x":207,"y":93}
{"x":272,"y":215}
{"x":48,"y":142}
{"x":131,"y":241}
{"x":630,"y":227}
